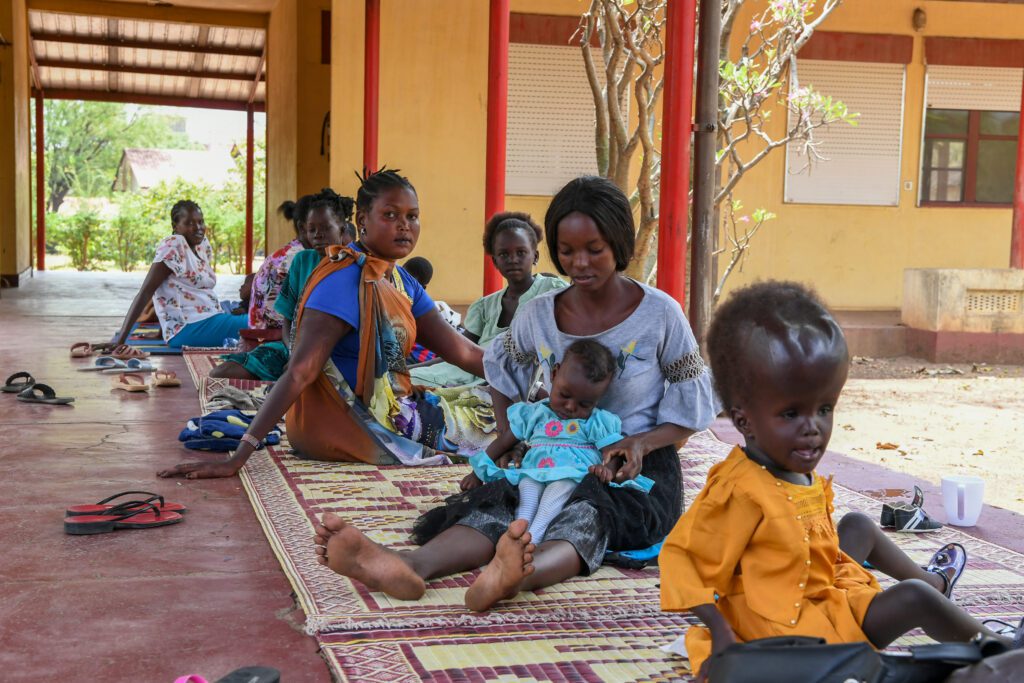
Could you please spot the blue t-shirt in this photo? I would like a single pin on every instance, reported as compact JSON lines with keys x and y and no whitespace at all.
{"x":338,"y":295}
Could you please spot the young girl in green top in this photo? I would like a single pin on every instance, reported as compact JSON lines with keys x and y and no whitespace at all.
{"x":511,"y":240}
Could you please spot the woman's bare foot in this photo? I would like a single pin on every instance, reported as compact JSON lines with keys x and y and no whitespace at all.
{"x":501,"y":578}
{"x":347,"y":551}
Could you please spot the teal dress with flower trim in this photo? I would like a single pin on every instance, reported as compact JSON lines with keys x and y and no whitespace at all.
{"x":558,"y":449}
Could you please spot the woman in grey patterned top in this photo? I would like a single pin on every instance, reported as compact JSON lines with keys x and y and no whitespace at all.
{"x":662,"y":392}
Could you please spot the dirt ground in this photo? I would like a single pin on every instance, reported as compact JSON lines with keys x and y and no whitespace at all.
{"x":929,"y":420}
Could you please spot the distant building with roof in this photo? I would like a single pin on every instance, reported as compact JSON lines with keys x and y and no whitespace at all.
{"x":141,"y":169}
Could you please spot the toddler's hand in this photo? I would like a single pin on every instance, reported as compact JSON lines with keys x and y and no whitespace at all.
{"x":604,"y":474}
{"x":470,"y":481}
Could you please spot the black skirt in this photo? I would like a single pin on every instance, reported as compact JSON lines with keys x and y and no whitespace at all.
{"x":627,"y":519}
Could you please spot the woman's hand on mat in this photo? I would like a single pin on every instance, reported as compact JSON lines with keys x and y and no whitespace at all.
{"x":470,"y":481}
{"x":632,"y":450}
{"x":202,"y":470}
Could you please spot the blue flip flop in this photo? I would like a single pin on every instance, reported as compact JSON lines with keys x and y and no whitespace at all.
{"x":106,"y":363}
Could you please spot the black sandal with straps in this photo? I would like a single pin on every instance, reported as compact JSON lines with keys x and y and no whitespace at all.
{"x":43,"y":393}
{"x":13,"y":387}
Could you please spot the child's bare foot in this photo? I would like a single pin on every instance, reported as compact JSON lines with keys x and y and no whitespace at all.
{"x":347,"y":551}
{"x":501,"y":578}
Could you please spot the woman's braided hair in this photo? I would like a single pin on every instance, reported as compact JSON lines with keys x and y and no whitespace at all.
{"x":372,"y":185}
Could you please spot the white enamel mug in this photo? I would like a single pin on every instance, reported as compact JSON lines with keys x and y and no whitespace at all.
{"x":962,"y":496}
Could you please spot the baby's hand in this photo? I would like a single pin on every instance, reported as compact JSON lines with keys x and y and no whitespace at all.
{"x":470,"y":481}
{"x":603,"y":473}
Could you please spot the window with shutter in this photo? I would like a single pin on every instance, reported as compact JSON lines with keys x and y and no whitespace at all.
{"x":971,"y":121}
{"x":550,"y":137}
{"x":861,"y":163}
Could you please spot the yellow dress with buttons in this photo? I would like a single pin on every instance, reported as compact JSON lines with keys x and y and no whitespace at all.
{"x":767,"y":553}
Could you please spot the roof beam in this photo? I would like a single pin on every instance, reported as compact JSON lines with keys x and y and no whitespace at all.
{"x":139,"y":98}
{"x":104,"y":41}
{"x":199,"y":61}
{"x":260,"y":76}
{"x":151,"y":70}
{"x":180,"y":15}
{"x":112,"y":55}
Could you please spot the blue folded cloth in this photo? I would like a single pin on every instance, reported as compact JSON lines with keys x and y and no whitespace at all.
{"x":221,"y":430}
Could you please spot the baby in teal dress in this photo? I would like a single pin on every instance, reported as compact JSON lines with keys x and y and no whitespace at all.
{"x":564,"y":434}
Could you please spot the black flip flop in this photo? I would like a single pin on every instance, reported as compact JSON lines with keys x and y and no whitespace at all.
{"x":43,"y":393}
{"x":252,"y":674}
{"x":12,"y":387}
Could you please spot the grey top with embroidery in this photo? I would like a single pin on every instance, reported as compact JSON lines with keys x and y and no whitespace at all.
{"x":661,"y":376}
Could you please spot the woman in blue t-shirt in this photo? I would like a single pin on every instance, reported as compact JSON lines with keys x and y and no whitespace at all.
{"x":359,"y":317}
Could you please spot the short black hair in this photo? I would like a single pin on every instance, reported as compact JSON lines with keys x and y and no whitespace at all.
{"x":770,"y":305}
{"x":420,"y":269}
{"x":596,"y":360}
{"x":607,"y":205}
{"x":511,"y":220}
{"x":371,"y":185}
{"x":340,"y":205}
{"x":182,"y":207}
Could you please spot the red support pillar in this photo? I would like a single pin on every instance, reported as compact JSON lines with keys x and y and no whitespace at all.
{"x":676,"y":125}
{"x":40,"y":187}
{"x":249,"y":164}
{"x":497,"y":124}
{"x":371,"y":85}
{"x":1017,"y":233}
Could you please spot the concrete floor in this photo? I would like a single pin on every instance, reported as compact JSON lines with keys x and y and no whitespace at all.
{"x":205,"y":596}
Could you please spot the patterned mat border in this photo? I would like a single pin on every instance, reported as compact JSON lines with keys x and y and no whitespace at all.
{"x":289,"y":529}
{"x":190,"y":353}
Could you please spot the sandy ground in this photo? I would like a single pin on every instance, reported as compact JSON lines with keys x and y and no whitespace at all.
{"x":931,"y":420}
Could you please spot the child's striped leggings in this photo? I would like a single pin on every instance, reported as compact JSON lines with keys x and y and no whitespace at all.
{"x":540,"y":503}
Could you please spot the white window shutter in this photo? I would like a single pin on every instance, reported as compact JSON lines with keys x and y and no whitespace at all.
{"x":861,"y":163}
{"x":985,"y":88}
{"x":550,"y":119}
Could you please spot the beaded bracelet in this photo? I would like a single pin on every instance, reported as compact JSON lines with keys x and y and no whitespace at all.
{"x":252,"y":441}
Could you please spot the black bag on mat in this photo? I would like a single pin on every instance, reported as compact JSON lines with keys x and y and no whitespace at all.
{"x":796,"y":659}
{"x":799,"y":659}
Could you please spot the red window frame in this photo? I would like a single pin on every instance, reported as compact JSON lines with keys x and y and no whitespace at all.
{"x":970,"y":169}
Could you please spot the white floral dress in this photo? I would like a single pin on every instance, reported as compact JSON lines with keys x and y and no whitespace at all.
{"x":187,"y":295}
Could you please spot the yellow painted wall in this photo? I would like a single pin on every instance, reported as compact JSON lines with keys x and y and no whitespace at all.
{"x":298,"y":96}
{"x":346,"y":88}
{"x":15,"y":214}
{"x":433,"y":123}
{"x":855,"y":256}
{"x":314,"y":98}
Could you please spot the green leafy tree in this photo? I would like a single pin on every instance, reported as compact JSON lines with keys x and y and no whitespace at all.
{"x":85,"y":140}
{"x":80,"y":236}
{"x":131,"y":236}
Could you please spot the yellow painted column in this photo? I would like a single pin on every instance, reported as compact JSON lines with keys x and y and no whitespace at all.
{"x":282,"y":118}
{"x":15,"y":213}
{"x":346,"y":77}
{"x":298,"y":97}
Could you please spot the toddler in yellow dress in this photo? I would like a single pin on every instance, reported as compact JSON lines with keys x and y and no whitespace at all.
{"x":757,"y":555}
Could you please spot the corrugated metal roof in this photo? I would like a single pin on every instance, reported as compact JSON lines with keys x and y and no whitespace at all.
{"x":126,"y":59}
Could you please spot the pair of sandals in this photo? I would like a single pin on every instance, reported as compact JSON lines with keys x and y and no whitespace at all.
{"x":132,"y":382}
{"x":120,"y":352}
{"x":30,"y":391}
{"x":104,"y":517}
